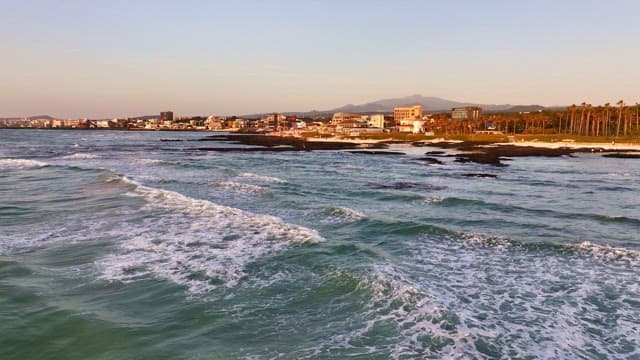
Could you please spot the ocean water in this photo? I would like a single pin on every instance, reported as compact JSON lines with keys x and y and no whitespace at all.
{"x":119,"y":245}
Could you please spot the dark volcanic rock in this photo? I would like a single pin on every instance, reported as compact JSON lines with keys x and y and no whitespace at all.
{"x":622,"y":156}
{"x":430,"y":160}
{"x":494,"y":155}
{"x":374,"y":152}
{"x":245,"y":149}
{"x":479,"y":175}
{"x":294,"y":142}
{"x":407,"y":185}
{"x":480,"y":158}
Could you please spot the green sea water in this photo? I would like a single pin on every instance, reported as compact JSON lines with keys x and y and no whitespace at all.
{"x":119,"y":245}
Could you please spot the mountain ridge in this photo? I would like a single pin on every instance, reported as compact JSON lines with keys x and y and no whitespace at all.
{"x":429,"y":104}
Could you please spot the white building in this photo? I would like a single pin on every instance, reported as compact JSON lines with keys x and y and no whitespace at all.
{"x":411,"y":126}
{"x":376,"y":121}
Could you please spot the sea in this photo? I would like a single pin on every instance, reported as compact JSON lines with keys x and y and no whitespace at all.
{"x":140,"y":245}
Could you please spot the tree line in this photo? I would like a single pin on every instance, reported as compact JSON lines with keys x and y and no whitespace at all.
{"x":619,"y":120}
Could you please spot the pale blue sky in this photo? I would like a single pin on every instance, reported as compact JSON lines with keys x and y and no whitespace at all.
{"x":119,"y":58}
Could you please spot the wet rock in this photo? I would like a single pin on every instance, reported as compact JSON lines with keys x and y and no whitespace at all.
{"x":479,"y":175}
{"x":480,"y":158}
{"x":272,"y":141}
{"x":622,"y":156}
{"x":407,"y":186}
{"x":430,"y":160}
{"x":375,"y":152}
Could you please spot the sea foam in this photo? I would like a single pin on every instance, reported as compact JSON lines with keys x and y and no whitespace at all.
{"x":197,"y":243}
{"x":80,"y":156}
{"x":342,"y":214}
{"x":241,"y":187}
{"x":261,"y":178}
{"x":20,"y":163}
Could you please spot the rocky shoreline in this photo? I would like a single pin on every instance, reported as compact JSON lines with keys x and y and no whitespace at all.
{"x":480,"y":152}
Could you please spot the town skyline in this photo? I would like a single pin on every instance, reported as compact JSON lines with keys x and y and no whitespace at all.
{"x":106,"y":59}
{"x":429,"y":103}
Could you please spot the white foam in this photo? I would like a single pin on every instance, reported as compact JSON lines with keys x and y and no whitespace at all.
{"x":261,"y":178}
{"x":21,"y":163}
{"x":433,"y":199}
{"x":398,"y":303}
{"x":343,"y":214}
{"x":607,"y":252}
{"x":146,"y":161}
{"x":482,"y":239}
{"x":197,"y":243}
{"x":539,"y":303}
{"x":80,"y":156}
{"x":241,"y":187}
{"x":467,"y":290}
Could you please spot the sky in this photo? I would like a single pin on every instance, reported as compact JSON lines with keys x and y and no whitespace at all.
{"x":117,"y":58}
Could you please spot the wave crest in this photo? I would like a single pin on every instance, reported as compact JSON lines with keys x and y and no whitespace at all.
{"x":21,"y":163}
{"x":262,"y":178}
{"x":197,"y":243}
{"x":80,"y":156}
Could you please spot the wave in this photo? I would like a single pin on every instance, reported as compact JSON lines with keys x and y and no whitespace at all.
{"x":146,"y":161}
{"x":261,"y":178}
{"x":196,"y":243}
{"x":419,"y":326}
{"x":606,"y":252}
{"x":585,"y":248}
{"x":506,"y":208}
{"x":342,"y":214}
{"x":488,"y":303}
{"x":21,"y":163}
{"x":433,"y":199}
{"x":241,"y":187}
{"x":80,"y":156}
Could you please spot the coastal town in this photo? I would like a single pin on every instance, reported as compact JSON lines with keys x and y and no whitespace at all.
{"x":584,"y":120}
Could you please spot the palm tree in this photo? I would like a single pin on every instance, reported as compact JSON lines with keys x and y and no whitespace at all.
{"x":586,"y":128}
{"x":583,"y":105}
{"x":637,"y":107}
{"x":606,"y":119}
{"x":573,"y":118}
{"x":620,"y":108}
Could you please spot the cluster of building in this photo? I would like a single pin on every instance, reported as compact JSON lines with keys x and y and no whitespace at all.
{"x":166,"y":121}
{"x":410,"y":119}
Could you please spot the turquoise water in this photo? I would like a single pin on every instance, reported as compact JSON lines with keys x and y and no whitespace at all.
{"x":117,"y":245}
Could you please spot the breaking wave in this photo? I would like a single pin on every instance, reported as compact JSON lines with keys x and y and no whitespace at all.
{"x":241,"y":187}
{"x":197,"y":243}
{"x":20,"y":163}
{"x":585,"y":248}
{"x":342,"y":214}
{"x":80,"y":156}
{"x":485,"y":302}
{"x":261,"y":178}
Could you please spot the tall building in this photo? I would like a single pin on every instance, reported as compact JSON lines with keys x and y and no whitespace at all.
{"x":274,"y":121}
{"x":166,"y":116}
{"x":466,"y":113}
{"x":344,"y":117}
{"x":407,"y":113}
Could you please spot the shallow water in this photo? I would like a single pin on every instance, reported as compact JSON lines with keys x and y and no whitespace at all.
{"x":119,"y":245}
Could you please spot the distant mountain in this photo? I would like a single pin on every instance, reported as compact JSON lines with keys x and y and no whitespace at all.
{"x":525,"y":108}
{"x":47,"y":117}
{"x":429,"y":104}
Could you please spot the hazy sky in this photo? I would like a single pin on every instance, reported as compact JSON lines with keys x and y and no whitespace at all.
{"x":116,"y":58}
